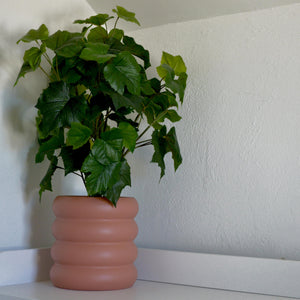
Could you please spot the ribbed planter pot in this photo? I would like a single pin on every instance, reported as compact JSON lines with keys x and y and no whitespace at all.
{"x":94,"y":248}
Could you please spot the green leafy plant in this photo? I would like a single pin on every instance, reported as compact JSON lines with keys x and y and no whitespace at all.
{"x":98,"y":98}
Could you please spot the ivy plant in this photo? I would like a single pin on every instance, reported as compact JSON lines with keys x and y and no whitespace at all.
{"x":98,"y":98}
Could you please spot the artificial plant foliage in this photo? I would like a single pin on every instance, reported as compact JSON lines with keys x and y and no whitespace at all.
{"x":100,"y":103}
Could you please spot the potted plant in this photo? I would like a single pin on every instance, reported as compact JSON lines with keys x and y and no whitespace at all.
{"x":96,"y":109}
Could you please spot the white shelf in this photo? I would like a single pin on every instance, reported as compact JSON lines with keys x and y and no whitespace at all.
{"x":142,"y":290}
{"x":25,"y":273}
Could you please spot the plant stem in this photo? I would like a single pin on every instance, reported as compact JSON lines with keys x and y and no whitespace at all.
{"x":155,"y":120}
{"x":145,"y":141}
{"x":57,"y":72}
{"x":116,"y":22}
{"x":137,"y":117}
{"x":45,"y":73}
{"x":148,"y":127}
{"x":143,"y":145}
{"x":61,"y":168}
{"x":82,"y":177}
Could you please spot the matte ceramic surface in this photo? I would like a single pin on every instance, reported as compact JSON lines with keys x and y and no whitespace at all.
{"x":94,"y":248}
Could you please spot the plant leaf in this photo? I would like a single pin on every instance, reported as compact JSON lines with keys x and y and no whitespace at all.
{"x":23,"y":71}
{"x":96,"y":52}
{"x":160,"y":148}
{"x":113,"y":194}
{"x":78,"y":135}
{"x":133,"y":101}
{"x":126,"y":15}
{"x":101,"y":178}
{"x":125,"y":131}
{"x":102,"y":166}
{"x":97,"y":34}
{"x":173,"y":147}
{"x":163,"y":143}
{"x":172,"y":115}
{"x":165,"y":70}
{"x":107,"y":152}
{"x":35,"y":34}
{"x":178,"y":85}
{"x":46,"y":184}
{"x":116,"y":34}
{"x":33,"y":57}
{"x":137,"y":50}
{"x":123,"y":71}
{"x":99,"y":20}
{"x":51,"y":103}
{"x":65,"y":43}
{"x":175,"y":62}
{"x":129,"y":135}
{"x":48,"y":147}
{"x":73,"y":159}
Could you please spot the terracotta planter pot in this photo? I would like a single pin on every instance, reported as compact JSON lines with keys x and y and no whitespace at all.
{"x":94,"y":248}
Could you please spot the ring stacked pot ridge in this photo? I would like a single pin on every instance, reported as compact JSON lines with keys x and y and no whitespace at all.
{"x":94,"y":247}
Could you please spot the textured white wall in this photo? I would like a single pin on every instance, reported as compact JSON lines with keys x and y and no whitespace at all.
{"x":23,"y":221}
{"x":238,"y":190}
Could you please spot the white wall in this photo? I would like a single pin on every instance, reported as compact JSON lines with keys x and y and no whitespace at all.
{"x":238,"y":189}
{"x":23,"y":221}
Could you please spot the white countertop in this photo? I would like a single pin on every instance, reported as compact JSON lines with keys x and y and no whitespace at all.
{"x":142,"y":290}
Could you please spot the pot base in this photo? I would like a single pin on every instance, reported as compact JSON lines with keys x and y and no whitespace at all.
{"x":93,"y":278}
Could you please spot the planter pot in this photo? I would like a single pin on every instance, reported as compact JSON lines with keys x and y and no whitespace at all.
{"x":94,"y":248}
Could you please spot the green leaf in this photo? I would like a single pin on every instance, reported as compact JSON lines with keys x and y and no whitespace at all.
{"x":107,"y":152}
{"x":46,"y":184}
{"x":23,"y":71}
{"x":98,"y":34}
{"x":116,"y":34}
{"x":147,"y":89}
{"x":163,"y":143}
{"x":137,"y":50}
{"x":48,"y":147}
{"x":125,"y":131}
{"x":172,"y":115}
{"x":178,"y":85}
{"x":51,"y":104}
{"x":113,"y":194}
{"x":129,"y":135}
{"x":96,"y":52}
{"x":155,"y":84}
{"x":73,"y":159}
{"x":57,"y":109}
{"x":133,"y":101}
{"x":126,"y":15}
{"x":35,"y":34}
{"x":33,"y":57}
{"x":175,"y":62}
{"x":171,"y":98}
{"x":165,"y":70}
{"x":99,"y":20}
{"x":101,"y":178}
{"x":65,"y":43}
{"x":173,"y":147}
{"x":123,"y":71}
{"x":102,"y":166}
{"x":160,"y":148}
{"x":78,"y":135}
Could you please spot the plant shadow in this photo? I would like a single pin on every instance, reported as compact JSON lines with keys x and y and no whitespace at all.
{"x":19,"y":136}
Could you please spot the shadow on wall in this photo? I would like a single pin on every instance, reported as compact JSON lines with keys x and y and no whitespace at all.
{"x":18,"y":134}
